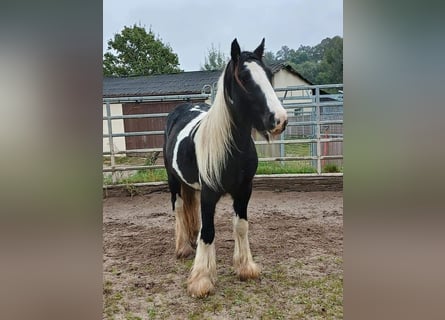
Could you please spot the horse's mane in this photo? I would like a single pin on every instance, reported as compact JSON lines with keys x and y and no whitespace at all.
{"x":213,"y":138}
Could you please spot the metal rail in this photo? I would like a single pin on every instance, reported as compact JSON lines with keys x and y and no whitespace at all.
{"x":293,"y":98}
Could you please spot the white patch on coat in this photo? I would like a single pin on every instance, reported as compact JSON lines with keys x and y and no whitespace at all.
{"x":184,"y":133}
{"x":243,"y":262}
{"x":197,"y":108}
{"x":203,"y":275}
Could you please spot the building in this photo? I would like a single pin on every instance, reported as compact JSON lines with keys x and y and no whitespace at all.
{"x":160,"y":93}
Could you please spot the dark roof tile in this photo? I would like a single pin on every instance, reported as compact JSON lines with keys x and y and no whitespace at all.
{"x":163,"y":84}
{"x":170,"y":84}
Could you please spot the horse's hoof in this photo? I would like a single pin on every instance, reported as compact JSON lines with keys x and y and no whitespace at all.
{"x":185,"y":252}
{"x":201,"y":284}
{"x":201,"y":287}
{"x":248,"y":271}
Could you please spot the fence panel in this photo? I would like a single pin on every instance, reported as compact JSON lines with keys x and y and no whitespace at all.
{"x":313,"y":138}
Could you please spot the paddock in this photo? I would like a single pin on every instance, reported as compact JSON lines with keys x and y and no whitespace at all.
{"x":299,"y":251}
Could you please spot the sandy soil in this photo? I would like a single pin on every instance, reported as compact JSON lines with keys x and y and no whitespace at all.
{"x":296,"y":238}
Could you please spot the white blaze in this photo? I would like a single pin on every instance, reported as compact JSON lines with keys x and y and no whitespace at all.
{"x":260,"y":77}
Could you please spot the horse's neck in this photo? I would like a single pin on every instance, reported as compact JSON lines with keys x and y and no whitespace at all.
{"x":241,"y":131}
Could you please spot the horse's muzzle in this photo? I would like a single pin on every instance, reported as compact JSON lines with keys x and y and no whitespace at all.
{"x":279,"y":128}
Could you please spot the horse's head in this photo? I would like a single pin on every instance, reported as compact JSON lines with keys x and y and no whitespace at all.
{"x":249,"y":91}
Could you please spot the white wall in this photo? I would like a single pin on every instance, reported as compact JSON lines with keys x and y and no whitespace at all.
{"x":117,"y":127}
{"x":284,"y":78}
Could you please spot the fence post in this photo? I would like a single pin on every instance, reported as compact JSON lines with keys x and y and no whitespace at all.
{"x":317,"y":128}
{"x":282,"y":150}
{"x":110,"y":142}
{"x":282,"y":137}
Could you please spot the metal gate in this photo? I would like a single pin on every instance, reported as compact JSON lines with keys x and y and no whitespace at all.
{"x":315,"y":115}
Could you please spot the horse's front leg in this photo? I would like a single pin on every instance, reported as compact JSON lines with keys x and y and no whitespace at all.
{"x":242,"y":257}
{"x":202,"y":278}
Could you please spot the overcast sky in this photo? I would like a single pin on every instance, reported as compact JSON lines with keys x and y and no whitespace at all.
{"x":190,"y":27}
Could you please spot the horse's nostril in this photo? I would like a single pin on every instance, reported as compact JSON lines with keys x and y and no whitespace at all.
{"x":284,"y":124}
{"x":278,"y":122}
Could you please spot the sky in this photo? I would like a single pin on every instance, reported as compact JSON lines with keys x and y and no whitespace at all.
{"x":191,"y":27}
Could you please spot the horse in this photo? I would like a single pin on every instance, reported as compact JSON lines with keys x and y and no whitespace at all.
{"x":209,"y":152}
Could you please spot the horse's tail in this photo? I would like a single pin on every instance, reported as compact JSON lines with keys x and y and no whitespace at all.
{"x":191,"y":204}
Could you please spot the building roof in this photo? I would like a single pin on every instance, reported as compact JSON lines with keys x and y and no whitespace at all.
{"x":170,"y":84}
{"x":283,"y":65}
{"x":162,"y":84}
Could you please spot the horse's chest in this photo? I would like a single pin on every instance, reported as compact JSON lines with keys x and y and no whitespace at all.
{"x":240,"y":169}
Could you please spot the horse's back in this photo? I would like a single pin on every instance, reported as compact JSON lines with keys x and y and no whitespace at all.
{"x":182,"y":115}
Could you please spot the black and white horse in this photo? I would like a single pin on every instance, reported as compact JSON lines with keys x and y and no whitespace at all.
{"x":209,"y":152}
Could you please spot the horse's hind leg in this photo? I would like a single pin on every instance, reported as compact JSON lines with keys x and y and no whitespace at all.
{"x":242,"y":257}
{"x":187,"y":221}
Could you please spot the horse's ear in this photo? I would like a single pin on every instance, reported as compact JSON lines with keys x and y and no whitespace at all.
{"x":235,"y":52}
{"x":260,"y":50}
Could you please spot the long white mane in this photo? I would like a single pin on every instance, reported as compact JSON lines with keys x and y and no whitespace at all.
{"x":213,"y":139}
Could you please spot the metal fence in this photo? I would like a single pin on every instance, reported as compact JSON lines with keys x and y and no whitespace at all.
{"x":315,"y":114}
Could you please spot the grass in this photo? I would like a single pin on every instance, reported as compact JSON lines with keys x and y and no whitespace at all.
{"x":270,"y":167}
{"x":290,"y":290}
{"x":297,"y":149}
{"x":148,"y":175}
{"x":130,"y":316}
{"x":143,"y":175}
{"x":321,"y":298}
{"x":330,"y":167}
{"x":123,"y":160}
{"x":160,"y":174}
{"x":112,"y":300}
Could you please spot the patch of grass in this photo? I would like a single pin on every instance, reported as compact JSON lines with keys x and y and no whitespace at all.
{"x":144,"y":175}
{"x":278,"y":274}
{"x":322,"y":298}
{"x":330,"y":167}
{"x":152,"y":313}
{"x":108,"y":288}
{"x":267,"y":167}
{"x":160,"y":174}
{"x":194,"y":315}
{"x":297,"y":149}
{"x":273,"y":313}
{"x":125,"y":160}
{"x":147,"y":175}
{"x":112,"y":303}
{"x":235,"y":296}
{"x":130,"y":316}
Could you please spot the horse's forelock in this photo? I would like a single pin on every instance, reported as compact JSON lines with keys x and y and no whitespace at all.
{"x":232,"y":72}
{"x":237,"y":79}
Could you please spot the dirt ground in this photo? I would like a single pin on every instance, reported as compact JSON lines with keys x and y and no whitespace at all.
{"x":295,"y":237}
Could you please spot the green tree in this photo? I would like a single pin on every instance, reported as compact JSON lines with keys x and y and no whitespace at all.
{"x":134,"y":51}
{"x":302,"y":55}
{"x":269,"y":58}
{"x":320,"y":64}
{"x":215,"y":60}
{"x":331,"y":65}
{"x":285,"y":54}
{"x":308,"y":69}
